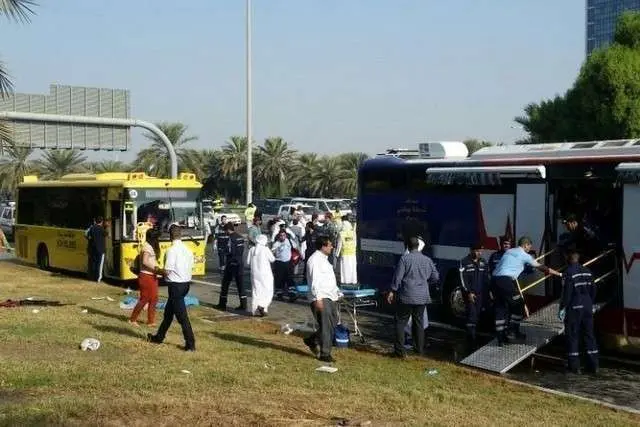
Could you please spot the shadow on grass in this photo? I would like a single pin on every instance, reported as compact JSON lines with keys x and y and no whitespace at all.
{"x":93,"y":310}
{"x":260,"y":343}
{"x":121,"y":330}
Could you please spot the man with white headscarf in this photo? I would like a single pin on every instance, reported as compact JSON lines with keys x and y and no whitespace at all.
{"x":346,"y":251}
{"x":259,"y":260}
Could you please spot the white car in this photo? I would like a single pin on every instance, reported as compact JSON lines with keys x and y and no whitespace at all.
{"x":7,"y":219}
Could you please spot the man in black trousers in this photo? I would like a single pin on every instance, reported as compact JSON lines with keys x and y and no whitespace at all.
{"x":234,"y":268}
{"x":410,"y":292}
{"x":97,"y":248}
{"x":178,"y":267}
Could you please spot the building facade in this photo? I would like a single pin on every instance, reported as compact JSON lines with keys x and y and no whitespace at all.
{"x":602,"y":16}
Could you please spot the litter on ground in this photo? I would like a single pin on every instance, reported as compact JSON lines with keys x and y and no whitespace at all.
{"x":184,"y":371}
{"x":91,"y":344}
{"x":328,"y":369}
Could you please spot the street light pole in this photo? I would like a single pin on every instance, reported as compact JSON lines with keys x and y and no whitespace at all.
{"x":249,"y":105}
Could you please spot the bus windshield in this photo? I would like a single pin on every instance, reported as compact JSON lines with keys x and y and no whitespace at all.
{"x":162,"y":208}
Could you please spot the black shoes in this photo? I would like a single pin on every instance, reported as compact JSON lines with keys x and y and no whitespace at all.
{"x":260,"y":312}
{"x":220,"y":307}
{"x":189,"y":349}
{"x":328,"y":359}
{"x":153,"y":339}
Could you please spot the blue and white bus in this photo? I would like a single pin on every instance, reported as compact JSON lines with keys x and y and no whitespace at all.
{"x":454,"y":200}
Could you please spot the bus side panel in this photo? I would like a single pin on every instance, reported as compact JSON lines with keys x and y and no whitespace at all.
{"x":631,"y":252}
{"x":67,"y":249}
{"x":129,"y":251}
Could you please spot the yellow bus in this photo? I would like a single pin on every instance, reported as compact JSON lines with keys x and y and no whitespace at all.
{"x":52,"y":217}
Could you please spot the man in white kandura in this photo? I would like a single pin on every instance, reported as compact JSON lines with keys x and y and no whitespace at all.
{"x":260,"y":259}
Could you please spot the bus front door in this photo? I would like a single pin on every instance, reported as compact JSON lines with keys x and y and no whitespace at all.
{"x":113,"y":243}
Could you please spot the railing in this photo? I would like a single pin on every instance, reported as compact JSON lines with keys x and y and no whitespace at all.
{"x":586,"y":264}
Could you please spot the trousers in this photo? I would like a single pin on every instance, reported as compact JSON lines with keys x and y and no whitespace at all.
{"x":327,"y":319}
{"x":148,"y":285}
{"x":509,"y":306}
{"x":282,"y":276}
{"x":472,"y":312}
{"x":235,"y":272}
{"x":96,"y":266}
{"x":403,"y":312}
{"x":176,"y":307}
{"x":579,"y":324}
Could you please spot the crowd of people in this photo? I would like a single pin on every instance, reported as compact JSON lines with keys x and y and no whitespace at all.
{"x":323,"y":249}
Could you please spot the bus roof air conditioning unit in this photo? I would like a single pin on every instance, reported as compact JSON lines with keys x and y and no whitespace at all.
{"x":443,"y":150}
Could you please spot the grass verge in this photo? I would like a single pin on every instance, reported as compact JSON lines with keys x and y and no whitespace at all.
{"x":243,"y":373}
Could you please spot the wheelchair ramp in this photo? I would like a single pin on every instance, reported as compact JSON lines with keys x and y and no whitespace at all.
{"x":541,"y":327}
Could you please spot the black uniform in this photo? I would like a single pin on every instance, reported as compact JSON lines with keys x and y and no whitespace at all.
{"x":584,"y":239}
{"x":578,"y":294}
{"x":494,"y":259}
{"x":475,"y":280}
{"x":97,"y":249}
{"x":234,"y":270}
{"x":222,"y":241}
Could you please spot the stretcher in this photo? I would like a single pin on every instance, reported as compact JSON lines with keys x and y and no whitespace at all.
{"x":354,"y":297}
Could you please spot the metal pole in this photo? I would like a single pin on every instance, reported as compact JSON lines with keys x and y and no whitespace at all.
{"x":249,"y":107}
{"x":16,"y":116}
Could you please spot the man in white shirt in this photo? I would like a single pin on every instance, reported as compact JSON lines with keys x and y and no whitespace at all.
{"x":324,"y":293}
{"x":178,"y":267}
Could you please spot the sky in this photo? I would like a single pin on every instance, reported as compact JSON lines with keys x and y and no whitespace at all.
{"x":329,"y":76}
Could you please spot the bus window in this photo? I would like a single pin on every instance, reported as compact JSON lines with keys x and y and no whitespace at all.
{"x":162,"y":208}
{"x":383,"y":181}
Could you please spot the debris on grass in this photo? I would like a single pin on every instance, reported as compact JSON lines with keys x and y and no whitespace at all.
{"x":89,"y":344}
{"x":431,"y":372}
{"x":327,"y":369}
{"x":184,"y":371}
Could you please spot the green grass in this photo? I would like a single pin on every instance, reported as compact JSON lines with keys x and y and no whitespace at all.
{"x":244,"y":373}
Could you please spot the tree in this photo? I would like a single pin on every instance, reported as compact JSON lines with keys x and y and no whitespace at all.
{"x":108,"y":166}
{"x":604,"y":101}
{"x":274,"y":161}
{"x":324,"y":178}
{"x":14,"y":165}
{"x":155,"y":159}
{"x":474,"y":145}
{"x":17,"y":11}
{"x":234,"y":161}
{"x":349,"y":163}
{"x":56,"y":163}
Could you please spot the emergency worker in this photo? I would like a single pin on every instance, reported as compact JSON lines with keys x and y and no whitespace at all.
{"x":494,"y":259}
{"x":222,"y":242}
{"x":234,"y":269}
{"x":576,"y":309}
{"x":580,"y":237}
{"x":509,"y":305}
{"x":474,"y":275}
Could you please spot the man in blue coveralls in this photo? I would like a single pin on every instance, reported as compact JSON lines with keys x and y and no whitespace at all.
{"x":576,"y":309}
{"x":509,"y":303}
{"x":474,"y":275}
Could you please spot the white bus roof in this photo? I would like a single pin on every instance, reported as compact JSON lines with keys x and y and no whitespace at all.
{"x":591,"y":149}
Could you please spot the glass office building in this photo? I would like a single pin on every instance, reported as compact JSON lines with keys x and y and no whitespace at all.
{"x":602,"y":16}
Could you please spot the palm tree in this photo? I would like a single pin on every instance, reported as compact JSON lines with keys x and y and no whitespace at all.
{"x":323,"y":179}
{"x":349,"y":165}
{"x":57,"y":163}
{"x":18,"y":11}
{"x":234,"y":160}
{"x":109,"y":166}
{"x":14,"y":165}
{"x":155,"y":159}
{"x":300,"y":176}
{"x":274,"y":161}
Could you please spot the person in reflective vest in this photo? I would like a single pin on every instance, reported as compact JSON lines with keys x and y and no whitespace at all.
{"x":347,"y":254}
{"x":576,"y":309}
{"x":474,"y":275}
{"x":494,"y":259}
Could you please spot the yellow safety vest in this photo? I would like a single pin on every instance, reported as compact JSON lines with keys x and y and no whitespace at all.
{"x":348,"y":243}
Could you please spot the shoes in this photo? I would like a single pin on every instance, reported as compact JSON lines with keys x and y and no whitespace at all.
{"x":153,"y":339}
{"x":310,"y":342}
{"x":396,"y":355}
{"x":220,"y":307}
{"x":189,"y":349}
{"x":260,"y":312}
{"x":241,"y":308}
{"x":327,"y":358}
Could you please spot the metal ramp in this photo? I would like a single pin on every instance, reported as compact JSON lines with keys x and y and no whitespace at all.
{"x":541,"y":327}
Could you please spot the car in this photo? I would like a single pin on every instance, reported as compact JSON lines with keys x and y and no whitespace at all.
{"x":7,"y":219}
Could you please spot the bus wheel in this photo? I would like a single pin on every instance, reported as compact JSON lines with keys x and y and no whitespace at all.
{"x":43,"y":257}
{"x":452,"y":297}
